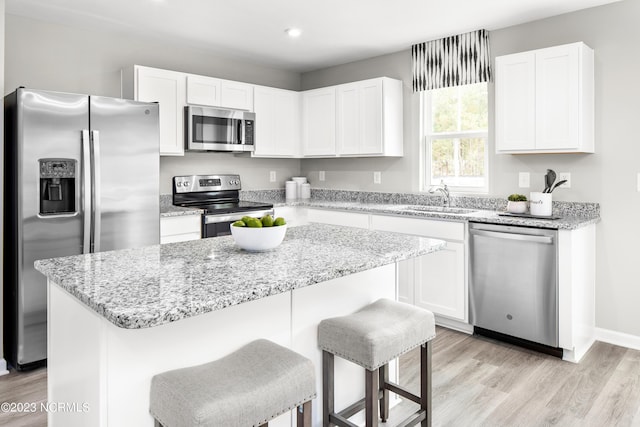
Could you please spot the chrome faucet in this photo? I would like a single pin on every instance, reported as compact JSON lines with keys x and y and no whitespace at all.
{"x":445,"y":193}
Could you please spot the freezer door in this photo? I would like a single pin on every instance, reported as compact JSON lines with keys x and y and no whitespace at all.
{"x":48,"y":126}
{"x":125,"y":144}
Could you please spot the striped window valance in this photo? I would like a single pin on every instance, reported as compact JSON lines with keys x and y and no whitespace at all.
{"x":451,"y":61}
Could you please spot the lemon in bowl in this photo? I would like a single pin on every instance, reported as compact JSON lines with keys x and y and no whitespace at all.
{"x":258,"y":234}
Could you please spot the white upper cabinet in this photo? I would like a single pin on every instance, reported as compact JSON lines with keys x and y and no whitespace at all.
{"x":278,"y":131}
{"x":545,"y":101}
{"x":203,"y":90}
{"x":236,"y":95}
{"x":369,"y":118}
{"x":318,"y":122}
{"x":213,"y":92}
{"x":167,"y":88}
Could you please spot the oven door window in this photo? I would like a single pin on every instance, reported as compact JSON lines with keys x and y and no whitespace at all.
{"x":216,"y":229}
{"x":215,"y":130}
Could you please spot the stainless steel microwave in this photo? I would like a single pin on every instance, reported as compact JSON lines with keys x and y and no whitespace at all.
{"x":215,"y":129}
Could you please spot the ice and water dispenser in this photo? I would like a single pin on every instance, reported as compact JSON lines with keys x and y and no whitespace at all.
{"x":57,"y":186}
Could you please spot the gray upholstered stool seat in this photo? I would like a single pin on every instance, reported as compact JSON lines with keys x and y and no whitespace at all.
{"x":249,"y":387}
{"x":371,"y":338}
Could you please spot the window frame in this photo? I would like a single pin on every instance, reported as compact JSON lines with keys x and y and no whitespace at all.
{"x":425,"y":146}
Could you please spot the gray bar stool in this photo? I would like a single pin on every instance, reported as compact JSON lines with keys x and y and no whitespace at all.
{"x":371,"y":338}
{"x":249,"y":387}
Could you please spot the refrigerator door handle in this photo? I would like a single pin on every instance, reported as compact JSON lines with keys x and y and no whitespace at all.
{"x":96,"y":210}
{"x":87,"y":186}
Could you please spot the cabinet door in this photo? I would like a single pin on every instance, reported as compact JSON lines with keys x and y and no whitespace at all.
{"x":348,"y":119}
{"x":168,"y":89}
{"x":359,"y":112}
{"x":319,"y":122}
{"x":277,"y":123}
{"x":236,"y":95}
{"x":440,"y":285}
{"x":180,"y":228}
{"x":557,"y":95}
{"x":370,"y":116}
{"x":203,"y":90}
{"x":515,"y":102}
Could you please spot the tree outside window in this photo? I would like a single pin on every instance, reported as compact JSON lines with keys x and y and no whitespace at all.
{"x":455,"y":122}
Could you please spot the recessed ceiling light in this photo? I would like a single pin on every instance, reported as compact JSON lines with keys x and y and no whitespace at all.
{"x":293,"y":32}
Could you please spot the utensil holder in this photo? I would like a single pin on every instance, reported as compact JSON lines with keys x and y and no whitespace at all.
{"x":540,"y":204}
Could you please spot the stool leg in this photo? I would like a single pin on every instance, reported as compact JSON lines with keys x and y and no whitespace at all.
{"x":384,"y":401}
{"x":304,"y":415}
{"x":425,"y":382}
{"x":371,"y":398}
{"x":327,"y":387}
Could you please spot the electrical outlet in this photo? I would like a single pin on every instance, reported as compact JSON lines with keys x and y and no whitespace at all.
{"x":638,"y":181}
{"x":567,"y":176}
{"x":321,"y":175}
{"x":272,"y":176}
{"x":377,"y":177}
{"x":524,"y":180}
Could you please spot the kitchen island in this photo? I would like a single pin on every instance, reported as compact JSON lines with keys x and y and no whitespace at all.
{"x":118,"y":318}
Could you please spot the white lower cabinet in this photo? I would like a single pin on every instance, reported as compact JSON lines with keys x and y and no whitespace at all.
{"x":349,"y":219}
{"x":436,"y":281}
{"x":180,"y":228}
{"x":293,"y":215}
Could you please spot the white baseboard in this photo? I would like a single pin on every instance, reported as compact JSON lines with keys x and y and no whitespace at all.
{"x":454,"y":324}
{"x":3,"y":367}
{"x":618,"y":338}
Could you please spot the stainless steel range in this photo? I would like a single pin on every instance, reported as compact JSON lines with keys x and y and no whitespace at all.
{"x":219,"y":197}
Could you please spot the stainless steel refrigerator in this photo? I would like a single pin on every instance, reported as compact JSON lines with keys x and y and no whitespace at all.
{"x":81,"y":175}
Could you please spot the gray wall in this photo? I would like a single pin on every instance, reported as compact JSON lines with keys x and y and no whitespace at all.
{"x":608,"y":176}
{"x":49,"y":56}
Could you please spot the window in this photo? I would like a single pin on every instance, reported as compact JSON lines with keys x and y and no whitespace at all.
{"x":455,"y":125}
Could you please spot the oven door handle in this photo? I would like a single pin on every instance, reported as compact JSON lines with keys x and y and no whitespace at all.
{"x":213,"y":219}
{"x":511,"y":236}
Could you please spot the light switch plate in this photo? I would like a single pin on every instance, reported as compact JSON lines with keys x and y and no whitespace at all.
{"x":524,"y":180}
{"x":567,"y":176}
{"x":377,"y":177}
{"x":321,"y":175}
{"x":272,"y":176}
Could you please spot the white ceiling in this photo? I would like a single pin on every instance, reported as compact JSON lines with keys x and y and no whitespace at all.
{"x":334,"y":31}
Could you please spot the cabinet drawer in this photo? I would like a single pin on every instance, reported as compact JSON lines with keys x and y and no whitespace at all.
{"x":349,"y":219}
{"x":187,"y":224}
{"x":448,"y":230}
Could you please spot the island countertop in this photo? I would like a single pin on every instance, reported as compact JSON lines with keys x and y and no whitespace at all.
{"x":150,"y":286}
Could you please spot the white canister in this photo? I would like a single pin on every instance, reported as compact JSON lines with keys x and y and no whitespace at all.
{"x":299,"y":180}
{"x":291,"y":190}
{"x":540,"y":204}
{"x":305,"y":192}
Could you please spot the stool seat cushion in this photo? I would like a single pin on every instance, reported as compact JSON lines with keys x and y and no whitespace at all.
{"x":378,"y":333}
{"x":246,"y":388}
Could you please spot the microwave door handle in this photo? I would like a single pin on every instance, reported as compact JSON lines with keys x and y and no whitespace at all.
{"x":239,"y":132}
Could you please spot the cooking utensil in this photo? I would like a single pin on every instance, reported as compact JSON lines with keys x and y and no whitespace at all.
{"x":549,"y":178}
{"x":557,"y":184}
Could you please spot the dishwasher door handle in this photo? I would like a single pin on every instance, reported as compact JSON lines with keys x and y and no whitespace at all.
{"x":511,"y":236}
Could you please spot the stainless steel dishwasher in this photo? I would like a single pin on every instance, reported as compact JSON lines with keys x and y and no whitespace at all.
{"x":513,"y":283}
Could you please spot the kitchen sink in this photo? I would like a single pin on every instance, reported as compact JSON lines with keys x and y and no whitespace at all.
{"x":439,"y":209}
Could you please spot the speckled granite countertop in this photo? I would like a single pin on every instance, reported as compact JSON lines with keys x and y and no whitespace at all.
{"x":150,"y":286}
{"x":484,"y":209}
{"x":572,"y":215}
{"x":167,"y":208}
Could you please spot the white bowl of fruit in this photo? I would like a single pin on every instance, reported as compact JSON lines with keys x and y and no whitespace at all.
{"x":259,"y":234}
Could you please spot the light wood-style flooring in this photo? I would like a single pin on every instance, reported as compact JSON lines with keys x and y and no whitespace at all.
{"x":477,"y":382}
